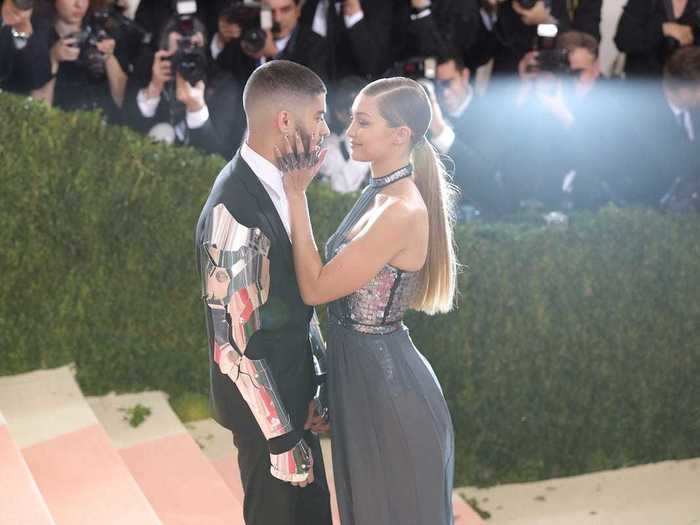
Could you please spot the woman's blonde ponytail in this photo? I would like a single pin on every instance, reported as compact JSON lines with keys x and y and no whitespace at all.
{"x":403,"y":102}
{"x":439,"y":274}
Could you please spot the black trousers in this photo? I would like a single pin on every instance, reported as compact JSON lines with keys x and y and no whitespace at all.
{"x":269,"y":501}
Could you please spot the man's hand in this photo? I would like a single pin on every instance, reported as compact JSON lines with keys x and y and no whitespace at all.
{"x":161,"y":73}
{"x":309,"y":480}
{"x":527,"y":67}
{"x":437,"y":124}
{"x":553,"y":101}
{"x":228,"y":31}
{"x":315,"y":422}
{"x":18,"y":19}
{"x":268,"y":51}
{"x":538,"y":14}
{"x":682,"y":33}
{"x":191,"y":96}
{"x":351,"y":7}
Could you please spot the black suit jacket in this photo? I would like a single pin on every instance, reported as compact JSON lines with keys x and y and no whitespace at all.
{"x":365,"y":48}
{"x":475,"y":155}
{"x":639,"y":35}
{"x":308,"y":49}
{"x":283,"y":339}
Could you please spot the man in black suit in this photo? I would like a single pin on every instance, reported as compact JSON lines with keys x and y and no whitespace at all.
{"x":466,"y":128}
{"x":265,"y":362}
{"x":358,"y":33}
{"x":287,"y":40}
{"x":203,"y":110}
{"x":662,"y":130}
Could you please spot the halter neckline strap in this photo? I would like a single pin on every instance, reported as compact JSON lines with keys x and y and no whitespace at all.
{"x":401,"y":173}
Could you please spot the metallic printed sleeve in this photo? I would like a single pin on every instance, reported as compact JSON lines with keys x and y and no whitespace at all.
{"x":235,"y":284}
{"x":318,"y":349}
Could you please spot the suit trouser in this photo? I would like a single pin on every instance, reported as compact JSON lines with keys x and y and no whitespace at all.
{"x":269,"y":501}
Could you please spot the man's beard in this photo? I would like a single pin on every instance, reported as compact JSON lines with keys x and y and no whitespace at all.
{"x":305,"y":139}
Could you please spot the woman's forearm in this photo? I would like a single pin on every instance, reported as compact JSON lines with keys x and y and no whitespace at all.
{"x":117,"y":80}
{"x":307,"y":260}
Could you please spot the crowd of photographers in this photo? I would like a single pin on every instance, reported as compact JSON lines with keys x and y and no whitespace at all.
{"x":550,"y":132}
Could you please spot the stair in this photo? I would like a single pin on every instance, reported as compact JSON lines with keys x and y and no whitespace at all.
{"x":168,"y":465}
{"x":20,"y":499}
{"x":81,"y":477}
{"x":68,"y":460}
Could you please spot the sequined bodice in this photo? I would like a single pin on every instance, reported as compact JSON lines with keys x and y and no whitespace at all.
{"x":379,"y":306}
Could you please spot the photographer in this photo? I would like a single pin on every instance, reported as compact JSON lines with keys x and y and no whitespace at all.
{"x":650,"y":30}
{"x":562,"y":124}
{"x":663,"y":126}
{"x":467,"y":129}
{"x":242,"y":43}
{"x":356,"y":32}
{"x":436,"y":27}
{"x":565,"y":89}
{"x":87,"y":65}
{"x":509,"y":29}
{"x":24,"y":55}
{"x":188,"y":99}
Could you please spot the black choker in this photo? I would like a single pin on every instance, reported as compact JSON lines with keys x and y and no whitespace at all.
{"x":401,"y":173}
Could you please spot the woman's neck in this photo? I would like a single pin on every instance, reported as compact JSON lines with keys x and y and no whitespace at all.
{"x":64,"y":28}
{"x":386,"y":166}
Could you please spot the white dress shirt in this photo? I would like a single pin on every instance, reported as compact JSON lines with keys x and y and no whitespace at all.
{"x":685,"y":120}
{"x":320,"y":24}
{"x":271,"y":179}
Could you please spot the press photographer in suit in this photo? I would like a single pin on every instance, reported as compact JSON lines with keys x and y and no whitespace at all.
{"x":282,"y":37}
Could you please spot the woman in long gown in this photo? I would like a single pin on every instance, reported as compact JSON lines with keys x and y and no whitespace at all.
{"x":392,"y":436}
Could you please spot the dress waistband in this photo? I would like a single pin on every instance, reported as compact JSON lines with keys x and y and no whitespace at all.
{"x":368,"y":329}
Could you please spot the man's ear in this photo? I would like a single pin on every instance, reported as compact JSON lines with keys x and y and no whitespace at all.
{"x":285,"y":122}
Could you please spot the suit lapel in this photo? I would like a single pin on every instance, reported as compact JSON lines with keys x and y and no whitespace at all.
{"x":265,"y":204}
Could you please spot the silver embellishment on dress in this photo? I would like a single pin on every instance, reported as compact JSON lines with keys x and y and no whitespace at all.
{"x":379,"y":306}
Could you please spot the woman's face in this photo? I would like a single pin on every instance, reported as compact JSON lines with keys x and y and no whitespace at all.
{"x":369,"y":134}
{"x":72,"y":11}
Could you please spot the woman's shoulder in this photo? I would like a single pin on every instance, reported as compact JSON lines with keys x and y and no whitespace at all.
{"x":402,"y":208}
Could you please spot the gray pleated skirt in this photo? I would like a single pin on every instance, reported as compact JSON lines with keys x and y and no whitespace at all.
{"x":392,"y":436}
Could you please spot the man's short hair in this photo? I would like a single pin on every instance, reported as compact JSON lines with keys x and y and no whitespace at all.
{"x":571,"y":40}
{"x":454,"y":55}
{"x":682,"y":69}
{"x":279,"y":80}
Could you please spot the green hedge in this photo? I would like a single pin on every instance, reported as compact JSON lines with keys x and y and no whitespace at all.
{"x":571,"y":350}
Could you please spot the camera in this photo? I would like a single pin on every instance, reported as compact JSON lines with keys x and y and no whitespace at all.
{"x":254,"y":19}
{"x":552,"y":61}
{"x":415,"y":68}
{"x":86,"y":40}
{"x":549,"y":58}
{"x":189,"y":59}
{"x":119,"y":26}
